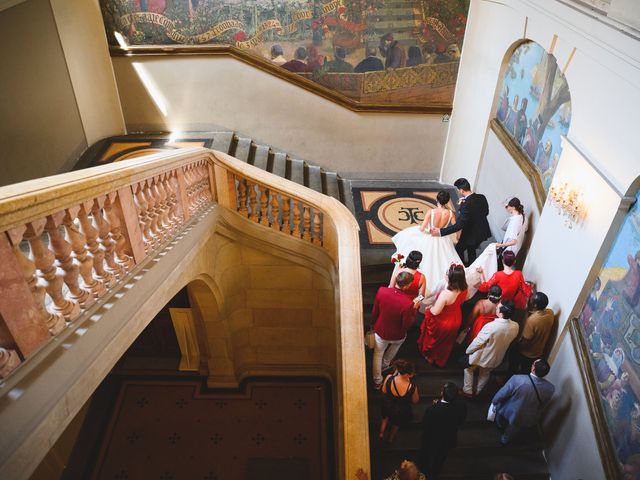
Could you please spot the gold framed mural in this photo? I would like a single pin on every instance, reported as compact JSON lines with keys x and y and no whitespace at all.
{"x":533,"y":113}
{"x":606,"y":339}
{"x":368,"y":55}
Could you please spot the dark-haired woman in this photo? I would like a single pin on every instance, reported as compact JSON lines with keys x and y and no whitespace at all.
{"x":510,"y":280}
{"x":442,"y":321}
{"x":411,"y":264}
{"x":484,"y":312}
{"x":437,"y":252}
{"x":399,"y":393}
{"x":514,"y":228}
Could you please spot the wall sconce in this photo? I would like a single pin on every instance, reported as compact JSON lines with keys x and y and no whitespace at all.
{"x":568,"y":201}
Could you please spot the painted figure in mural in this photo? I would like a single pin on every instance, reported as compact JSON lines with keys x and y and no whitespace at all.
{"x":428,"y":54}
{"x":503,"y":108}
{"x":277,"y":55}
{"x":530,"y":142}
{"x":314,"y":59}
{"x":512,"y":115}
{"x":371,"y":63}
{"x":415,"y":56}
{"x":396,"y":57}
{"x":544,"y":155}
{"x":297,"y":65}
{"x":338,"y":64}
{"x":631,"y":281}
{"x":521,"y":122}
{"x":590,"y":307}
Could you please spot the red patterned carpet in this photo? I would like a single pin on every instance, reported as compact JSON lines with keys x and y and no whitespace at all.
{"x":173,"y":430}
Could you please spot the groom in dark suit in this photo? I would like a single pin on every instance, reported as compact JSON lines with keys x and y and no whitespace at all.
{"x":472,"y":220}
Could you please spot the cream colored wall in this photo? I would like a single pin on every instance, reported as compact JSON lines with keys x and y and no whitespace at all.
{"x":601,"y":158}
{"x":40,"y":127}
{"x":199,"y":93}
{"x":83,"y":40}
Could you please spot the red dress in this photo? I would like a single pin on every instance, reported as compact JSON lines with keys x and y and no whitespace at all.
{"x":414,"y":289}
{"x":438,"y":332}
{"x":480,"y":321}
{"x":510,"y":284}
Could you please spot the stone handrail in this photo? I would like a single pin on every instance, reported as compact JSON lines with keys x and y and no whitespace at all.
{"x":66,"y":240}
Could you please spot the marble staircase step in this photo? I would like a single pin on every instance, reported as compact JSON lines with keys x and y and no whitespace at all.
{"x":243,"y":149}
{"x":295,"y":172}
{"x":313,"y":177}
{"x":222,"y":141}
{"x":279,"y":165}
{"x":331,"y":185}
{"x":261,"y":157}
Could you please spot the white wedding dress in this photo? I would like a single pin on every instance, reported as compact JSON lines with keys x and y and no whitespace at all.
{"x":438,"y":253}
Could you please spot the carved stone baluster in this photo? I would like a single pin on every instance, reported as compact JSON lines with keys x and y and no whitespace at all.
{"x":9,"y":360}
{"x":306,"y":222}
{"x":317,"y":222}
{"x":78,"y":243}
{"x":181,"y":205}
{"x":275,"y":210}
{"x":121,"y":256}
{"x":54,"y":321}
{"x":286,"y":216}
{"x":253,"y":206}
{"x":145,"y":220}
{"x":170,"y":202}
{"x":163,"y":206}
{"x":63,"y":253}
{"x":152,"y":211}
{"x":296,"y":219}
{"x":107,"y":245}
{"x":264,"y":205}
{"x":206,"y":183}
{"x":97,"y":254}
{"x":242,"y":197}
{"x":45,"y":262}
{"x":188,"y":179}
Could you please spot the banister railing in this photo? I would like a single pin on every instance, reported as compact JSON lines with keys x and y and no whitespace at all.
{"x":67,"y":240}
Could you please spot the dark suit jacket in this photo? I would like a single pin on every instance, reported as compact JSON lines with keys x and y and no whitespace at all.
{"x":472,"y":220}
{"x":440,"y":424}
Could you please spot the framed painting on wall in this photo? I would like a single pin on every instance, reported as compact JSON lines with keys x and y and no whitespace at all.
{"x":533,"y":113}
{"x":380,"y":53}
{"x":606,"y":337}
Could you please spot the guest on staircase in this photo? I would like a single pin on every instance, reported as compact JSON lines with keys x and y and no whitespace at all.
{"x":535,"y":335}
{"x":510,"y":280}
{"x":399,"y":393}
{"x":483,"y":312}
{"x":392,"y":315}
{"x":441,"y":323}
{"x":488,"y":349}
{"x":419,"y":285}
{"x":440,"y":426}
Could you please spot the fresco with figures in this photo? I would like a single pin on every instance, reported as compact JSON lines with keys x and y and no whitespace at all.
{"x":382,"y":52}
{"x":535,"y":106}
{"x":611,"y":323}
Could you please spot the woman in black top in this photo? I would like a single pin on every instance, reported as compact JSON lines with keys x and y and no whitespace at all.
{"x":398,"y":396}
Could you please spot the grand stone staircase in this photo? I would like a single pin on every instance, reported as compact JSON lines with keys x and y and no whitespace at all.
{"x":479,"y":455}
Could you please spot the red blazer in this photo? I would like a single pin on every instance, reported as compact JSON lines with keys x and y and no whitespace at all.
{"x":392,"y":313}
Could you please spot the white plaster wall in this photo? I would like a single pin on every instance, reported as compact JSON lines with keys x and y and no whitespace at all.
{"x":199,"y":93}
{"x":83,"y":40}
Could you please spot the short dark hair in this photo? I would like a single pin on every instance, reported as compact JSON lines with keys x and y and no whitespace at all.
{"x":301,"y":53}
{"x":413,"y":259}
{"x":371,"y":51}
{"x":541,"y":367}
{"x":506,"y":309}
{"x":404,"y":366}
{"x":456,"y":278}
{"x":508,"y":258}
{"x":462,"y":184}
{"x":540,"y":301}
{"x":340,"y":52}
{"x":443,"y":197}
{"x":515,"y":203}
{"x":276,"y":50}
{"x":404,"y":278}
{"x":495,"y":294}
{"x":450,"y":392}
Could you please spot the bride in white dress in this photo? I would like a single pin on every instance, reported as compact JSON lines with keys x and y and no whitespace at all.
{"x":438,"y":253}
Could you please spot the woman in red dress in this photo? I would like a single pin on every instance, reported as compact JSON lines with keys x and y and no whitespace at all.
{"x":484,"y":312}
{"x":419,"y":284}
{"x":510,"y":280}
{"x":441,"y":323}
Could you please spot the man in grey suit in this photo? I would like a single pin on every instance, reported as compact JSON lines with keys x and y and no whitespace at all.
{"x":519,"y":402}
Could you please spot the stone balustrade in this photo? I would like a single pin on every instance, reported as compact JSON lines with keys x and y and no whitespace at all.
{"x":69,"y":241}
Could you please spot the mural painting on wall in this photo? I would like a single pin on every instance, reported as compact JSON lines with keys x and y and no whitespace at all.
{"x":535,"y":107}
{"x":611,"y":324}
{"x":383,"y":52}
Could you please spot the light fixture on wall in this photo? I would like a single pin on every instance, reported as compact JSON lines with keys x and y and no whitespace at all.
{"x":567,"y":199}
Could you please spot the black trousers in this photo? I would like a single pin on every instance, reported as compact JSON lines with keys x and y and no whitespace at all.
{"x":518,"y":363}
{"x":471,"y":253}
{"x":432,"y":459}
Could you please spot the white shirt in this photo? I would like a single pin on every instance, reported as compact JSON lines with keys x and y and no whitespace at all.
{"x":514,"y":227}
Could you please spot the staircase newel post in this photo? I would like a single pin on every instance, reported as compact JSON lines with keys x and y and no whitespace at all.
{"x":125,"y":208}
{"x":225,"y":187}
